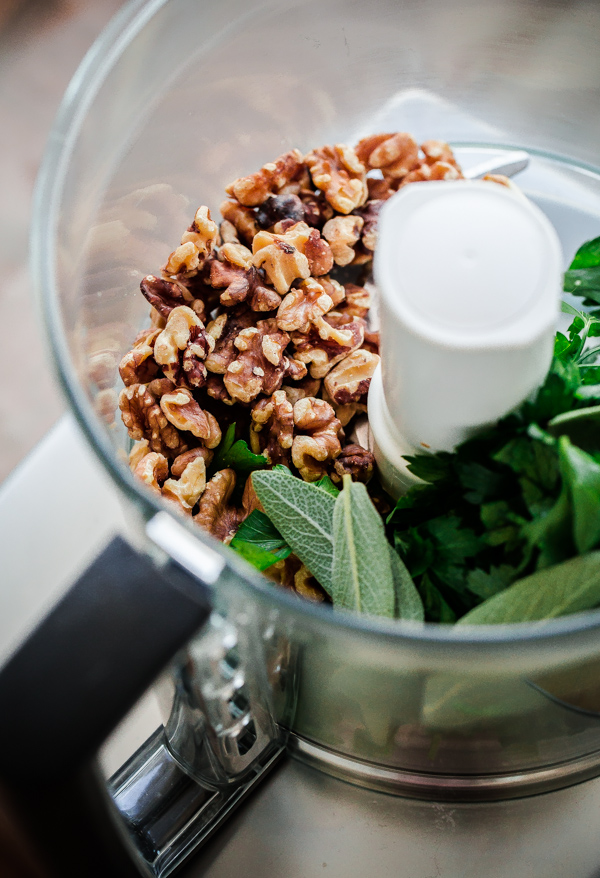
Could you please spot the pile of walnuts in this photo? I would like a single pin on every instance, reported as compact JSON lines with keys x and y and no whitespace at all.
{"x":255,"y":321}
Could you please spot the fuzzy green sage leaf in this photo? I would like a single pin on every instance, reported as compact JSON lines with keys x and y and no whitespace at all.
{"x":303,"y":514}
{"x":408,"y":602}
{"x":566,"y":588}
{"x":362,"y":577}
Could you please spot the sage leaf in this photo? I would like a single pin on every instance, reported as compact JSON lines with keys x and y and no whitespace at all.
{"x":303,"y":514}
{"x":566,"y":588}
{"x":408,"y":603}
{"x":582,"y":475}
{"x":361,"y":572}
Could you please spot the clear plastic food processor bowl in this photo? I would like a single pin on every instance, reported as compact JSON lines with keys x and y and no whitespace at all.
{"x":177,"y":99}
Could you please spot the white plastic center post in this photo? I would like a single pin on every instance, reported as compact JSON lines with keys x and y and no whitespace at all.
{"x":469,"y":276}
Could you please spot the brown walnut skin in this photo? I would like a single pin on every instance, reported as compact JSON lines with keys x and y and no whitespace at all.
{"x":215,"y":514}
{"x":254,"y":189}
{"x":272,"y":429}
{"x":184,"y":413}
{"x":340,"y":174}
{"x":316,"y":438}
{"x":355,"y":461}
{"x":260,"y":364}
{"x":144,"y":419}
{"x":139,"y":366}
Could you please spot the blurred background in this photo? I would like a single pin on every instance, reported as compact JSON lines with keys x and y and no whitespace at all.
{"x":41,"y":45}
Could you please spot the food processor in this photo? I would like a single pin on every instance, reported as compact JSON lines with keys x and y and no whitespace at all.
{"x":406,"y":748}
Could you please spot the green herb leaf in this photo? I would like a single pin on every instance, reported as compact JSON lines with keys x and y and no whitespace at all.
{"x":588,"y":255}
{"x":484,"y":585}
{"x":257,"y":556}
{"x":236,"y":455}
{"x":565,"y":588}
{"x":259,"y":542}
{"x":361,"y":572}
{"x":582,"y":475}
{"x":582,"y":426}
{"x":303,"y":514}
{"x":327,"y":485}
{"x":436,"y":608}
{"x":408,"y":602}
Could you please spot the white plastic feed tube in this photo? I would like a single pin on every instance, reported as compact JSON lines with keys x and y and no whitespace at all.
{"x":469,"y":279}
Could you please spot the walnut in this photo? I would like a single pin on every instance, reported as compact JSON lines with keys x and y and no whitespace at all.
{"x":152,"y":469}
{"x":261,"y":364}
{"x":250,"y":500}
{"x":224,"y":329}
{"x":272,"y":428}
{"x":216,"y":389}
{"x":501,"y":180}
{"x":188,"y":488}
{"x":306,"y":387}
{"x":349,"y":381}
{"x":324,"y":345}
{"x":371,"y":342}
{"x":379,"y":189}
{"x":369,"y":213}
{"x":139,"y":365}
{"x":395,"y":154}
{"x":438,"y":151}
{"x":343,"y":232}
{"x":228,"y":233}
{"x":139,"y":450}
{"x":156,"y":319}
{"x":316,"y":439}
{"x":307,"y":586}
{"x":282,"y":256}
{"x":356,"y":305}
{"x":356,"y":461}
{"x":179,"y":464}
{"x":241,"y":218}
{"x":214,"y":513}
{"x":317,"y":210}
{"x":272,"y":177}
{"x":319,"y":254}
{"x":182,"y":347}
{"x":203,"y":232}
{"x":196,"y":246}
{"x":283,"y":572}
{"x":164,"y":295}
{"x":280,"y":207}
{"x":144,"y":419}
{"x":184,"y":260}
{"x":183,"y":412}
{"x":334,"y":290}
{"x":340,"y":174}
{"x":437,"y":171}
{"x":445,"y":171}
{"x":302,"y":306}
{"x":242,"y":280}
